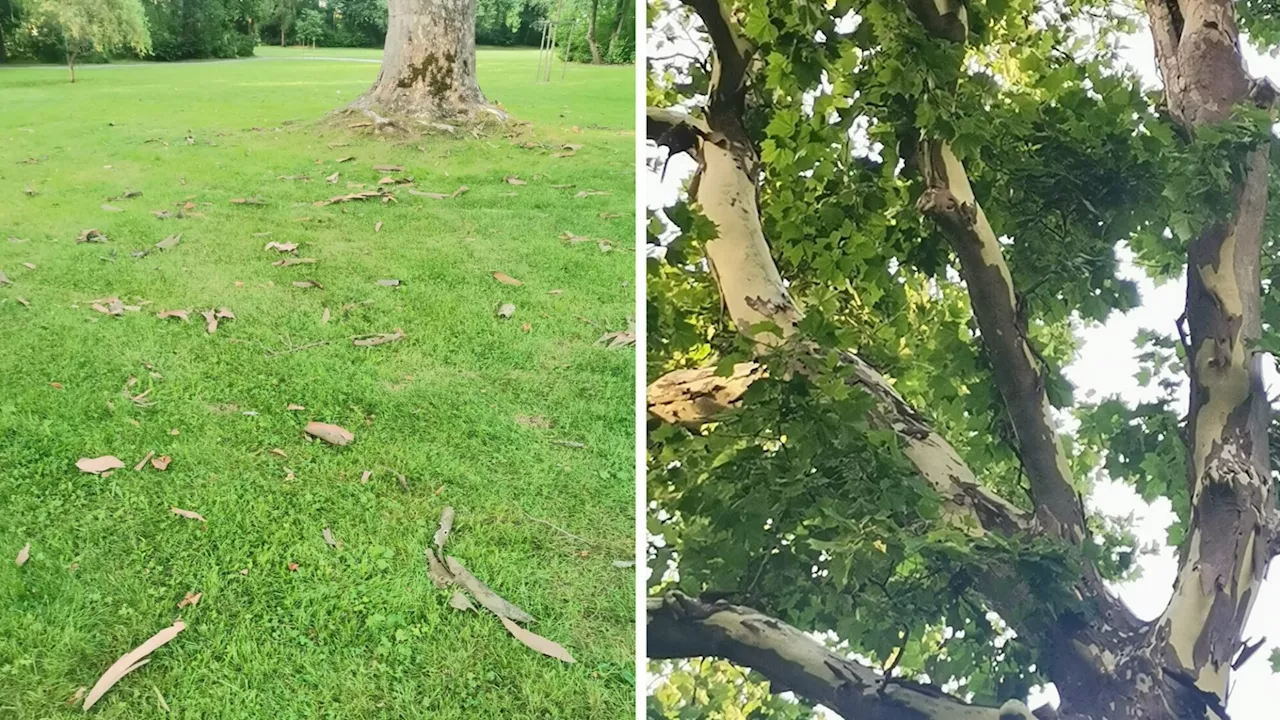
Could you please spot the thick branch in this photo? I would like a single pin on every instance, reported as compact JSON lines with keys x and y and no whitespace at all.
{"x":950,"y":201}
{"x":681,"y":627}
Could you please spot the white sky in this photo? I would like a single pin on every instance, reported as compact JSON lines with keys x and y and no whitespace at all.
{"x":1106,"y":365}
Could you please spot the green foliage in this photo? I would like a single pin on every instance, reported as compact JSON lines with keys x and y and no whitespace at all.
{"x":310,"y":27}
{"x":101,"y":26}
{"x":795,"y":505}
{"x":708,"y":689}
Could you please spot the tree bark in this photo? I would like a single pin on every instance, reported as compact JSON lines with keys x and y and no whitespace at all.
{"x":4,"y":56}
{"x":591,"y":32}
{"x":623,"y":10}
{"x":1108,"y":664}
{"x":428,"y":62}
{"x":1227,"y":550}
{"x":71,"y":66}
{"x":679,"y":626}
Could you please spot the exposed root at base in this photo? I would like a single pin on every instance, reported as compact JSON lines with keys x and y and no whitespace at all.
{"x":476,"y":121}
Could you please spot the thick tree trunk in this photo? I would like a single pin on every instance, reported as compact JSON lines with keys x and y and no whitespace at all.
{"x":282,"y":33}
{"x":591,"y":32}
{"x":71,"y":66}
{"x":1226,"y":553}
{"x":4,"y":57}
{"x":428,"y":62}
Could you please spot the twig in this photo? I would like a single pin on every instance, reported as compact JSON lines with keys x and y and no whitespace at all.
{"x":297,"y":349}
{"x":557,"y":528}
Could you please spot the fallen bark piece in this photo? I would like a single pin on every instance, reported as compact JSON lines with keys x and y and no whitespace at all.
{"x":92,"y":235}
{"x":377,"y":227}
{"x":624,"y":563}
{"x":380,"y":339}
{"x":211,"y":321}
{"x":506,"y":279}
{"x":618,"y":339}
{"x":332,"y":434}
{"x":446,"y":526}
{"x":131,"y":661}
{"x":513,"y":180}
{"x":432,"y":195}
{"x":459,"y":601}
{"x":364,"y":476}
{"x":307,"y":284}
{"x":99,"y":464}
{"x":180,"y":314}
{"x":389,"y":282}
{"x":287,"y":262}
{"x":280,"y":247}
{"x":440,"y":576}
{"x":143,"y":462}
{"x":486,"y":597}
{"x":536,"y":642}
{"x":191,"y":600}
{"x":23,"y":555}
{"x":329,"y":539}
{"x":324,"y":317}
{"x":506,"y":310}
{"x":388,"y":168}
{"x":170,"y":242}
{"x":255,"y":200}
{"x":332,"y":179}
{"x":188,"y":514}
{"x":161,"y":463}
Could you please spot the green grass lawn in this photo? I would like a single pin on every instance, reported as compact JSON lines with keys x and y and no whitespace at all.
{"x":356,"y":632}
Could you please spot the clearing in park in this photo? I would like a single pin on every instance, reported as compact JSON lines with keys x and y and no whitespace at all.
{"x":376,"y":310}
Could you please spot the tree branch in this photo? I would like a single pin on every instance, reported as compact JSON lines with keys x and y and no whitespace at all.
{"x":949,"y":200}
{"x":681,"y":627}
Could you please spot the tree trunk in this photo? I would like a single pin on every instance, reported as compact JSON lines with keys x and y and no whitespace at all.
{"x":3,"y":54}
{"x":428,"y":62}
{"x":71,"y":66}
{"x":623,"y":6}
{"x":591,"y":33}
{"x":281,"y":33}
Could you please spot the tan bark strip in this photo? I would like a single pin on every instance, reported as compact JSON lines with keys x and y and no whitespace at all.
{"x":681,"y":627}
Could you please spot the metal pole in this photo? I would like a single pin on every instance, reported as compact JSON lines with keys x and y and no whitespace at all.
{"x":569,"y":51}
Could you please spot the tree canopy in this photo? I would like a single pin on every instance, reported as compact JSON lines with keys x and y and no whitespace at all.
{"x":865,"y":459}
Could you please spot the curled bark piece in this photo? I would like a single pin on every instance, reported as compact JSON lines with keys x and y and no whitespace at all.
{"x":486,"y":597}
{"x":131,"y":661}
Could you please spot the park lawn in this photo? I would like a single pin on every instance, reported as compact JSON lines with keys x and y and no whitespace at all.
{"x":467,"y":407}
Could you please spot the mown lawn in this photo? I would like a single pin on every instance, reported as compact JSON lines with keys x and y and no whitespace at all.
{"x":467,"y":407}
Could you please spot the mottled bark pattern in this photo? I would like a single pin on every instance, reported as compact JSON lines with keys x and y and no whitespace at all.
{"x":428,"y":62}
{"x":1226,"y":553}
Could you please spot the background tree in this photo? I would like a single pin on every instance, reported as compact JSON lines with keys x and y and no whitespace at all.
{"x":283,"y":15}
{"x":428,"y":66}
{"x":310,"y":27}
{"x":866,"y":465}
{"x":593,"y":10}
{"x":96,"y":25}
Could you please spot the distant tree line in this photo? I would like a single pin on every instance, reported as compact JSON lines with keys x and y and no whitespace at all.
{"x":600,"y":31}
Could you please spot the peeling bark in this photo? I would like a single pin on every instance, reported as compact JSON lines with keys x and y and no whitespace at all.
{"x":428,"y":63}
{"x":591,"y":32}
{"x":1229,"y":539}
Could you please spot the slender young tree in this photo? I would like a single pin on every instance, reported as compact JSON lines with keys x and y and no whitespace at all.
{"x":857,"y":470}
{"x":96,"y":25}
{"x":428,"y":64}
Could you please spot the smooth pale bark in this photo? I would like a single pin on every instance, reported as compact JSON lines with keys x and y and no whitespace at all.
{"x":680,"y":626}
{"x":428,"y":62}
